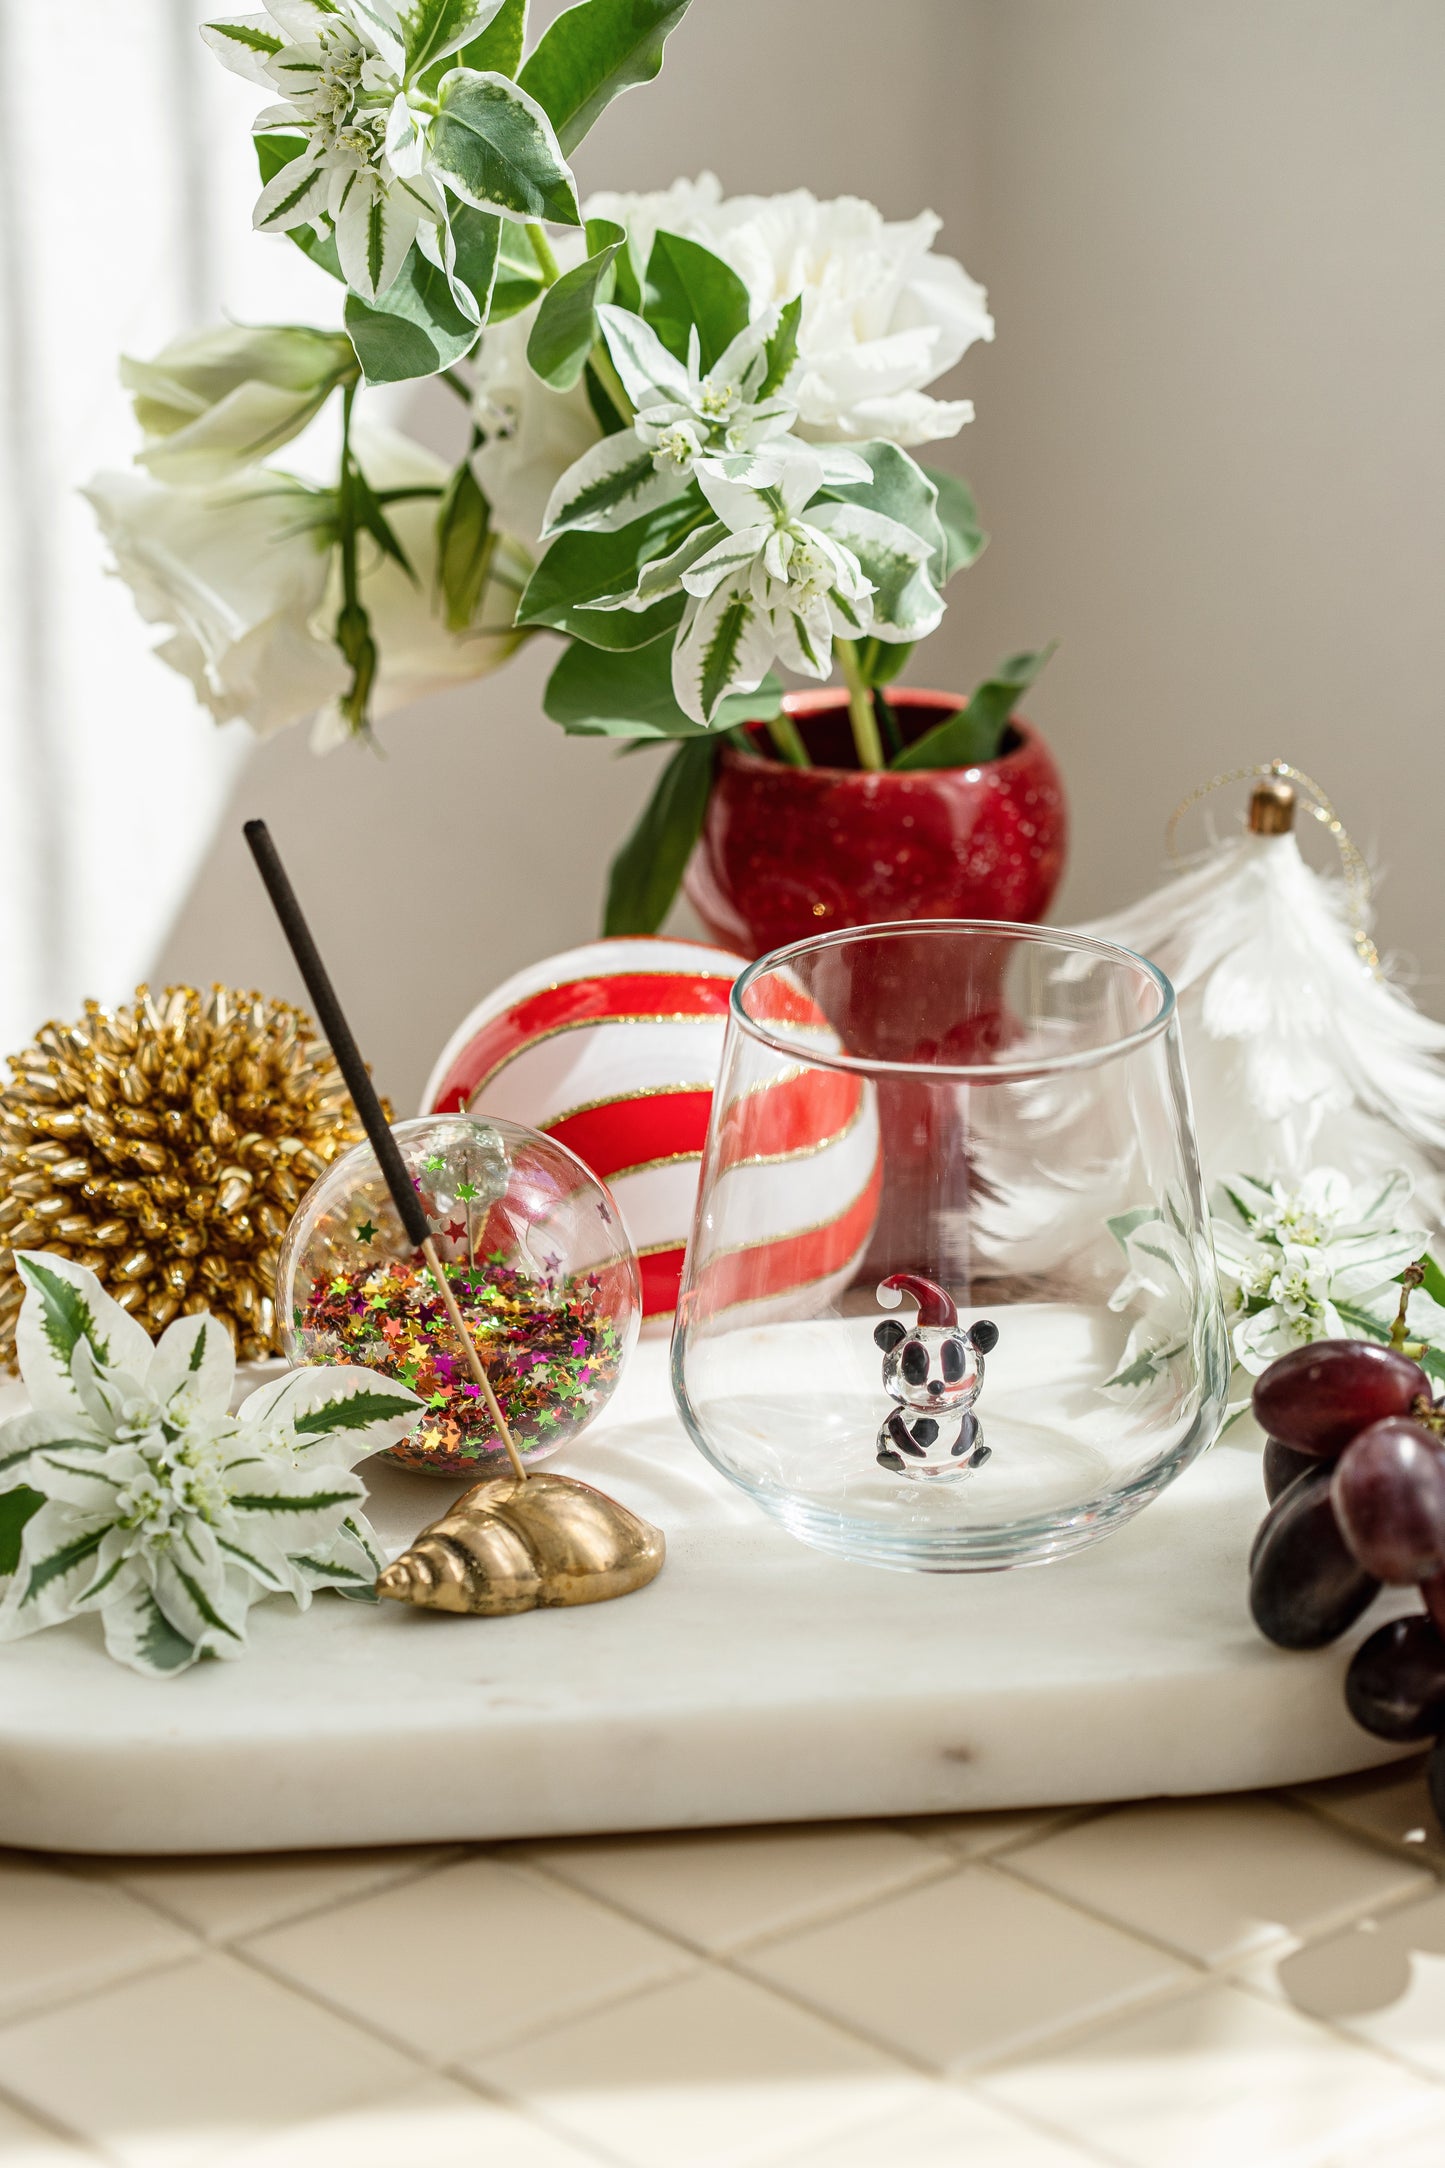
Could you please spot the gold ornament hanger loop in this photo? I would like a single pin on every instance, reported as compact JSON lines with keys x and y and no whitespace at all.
{"x":1359,"y":883}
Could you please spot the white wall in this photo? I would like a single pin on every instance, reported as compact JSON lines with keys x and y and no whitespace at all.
{"x":1209,"y":448}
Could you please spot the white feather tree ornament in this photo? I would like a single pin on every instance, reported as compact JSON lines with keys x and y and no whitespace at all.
{"x":1300,"y":1052}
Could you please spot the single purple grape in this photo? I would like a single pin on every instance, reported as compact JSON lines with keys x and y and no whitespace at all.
{"x":1305,"y":1585}
{"x":1282,"y":1465}
{"x":1395,"y":1686}
{"x":1389,"y":1499}
{"x":1317,"y":1398}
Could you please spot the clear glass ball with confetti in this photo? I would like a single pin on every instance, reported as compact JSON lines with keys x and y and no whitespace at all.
{"x":536,"y":1254}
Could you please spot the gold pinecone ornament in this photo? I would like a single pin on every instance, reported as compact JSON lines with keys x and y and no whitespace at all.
{"x":165,"y":1145}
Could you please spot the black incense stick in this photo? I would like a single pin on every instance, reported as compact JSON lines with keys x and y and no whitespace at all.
{"x":363,"y":1097}
{"x":338,"y":1033}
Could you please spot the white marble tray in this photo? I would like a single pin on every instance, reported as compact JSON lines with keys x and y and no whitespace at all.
{"x":755,"y":1681}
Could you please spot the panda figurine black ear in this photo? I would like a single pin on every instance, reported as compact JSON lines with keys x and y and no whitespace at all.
{"x":984,"y":1335}
{"x":888,"y":1332}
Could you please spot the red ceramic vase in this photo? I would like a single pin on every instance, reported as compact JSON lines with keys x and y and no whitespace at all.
{"x":790,"y":852}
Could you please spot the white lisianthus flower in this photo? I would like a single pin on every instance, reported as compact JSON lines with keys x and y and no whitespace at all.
{"x":883,"y":316}
{"x":418,"y":655}
{"x":157,"y":1509}
{"x":1319,"y":1262}
{"x":220,"y":400}
{"x":240,"y":572}
{"x":247,"y":575}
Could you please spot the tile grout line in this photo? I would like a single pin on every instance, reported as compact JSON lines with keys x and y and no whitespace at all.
{"x":56,"y":2006}
{"x":938,"y":1868}
{"x":154,"y":1904}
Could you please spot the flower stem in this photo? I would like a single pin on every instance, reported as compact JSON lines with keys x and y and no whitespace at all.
{"x":353,"y":626}
{"x":860,"y":707}
{"x":457,"y":385}
{"x":542,"y":250}
{"x":1410,"y":1279}
{"x":600,"y":362}
{"x":788,"y":739}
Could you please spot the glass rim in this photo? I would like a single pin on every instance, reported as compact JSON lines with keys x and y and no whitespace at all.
{"x":995,"y":1072}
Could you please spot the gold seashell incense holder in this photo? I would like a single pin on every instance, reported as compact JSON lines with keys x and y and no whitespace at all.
{"x":512,"y":1545}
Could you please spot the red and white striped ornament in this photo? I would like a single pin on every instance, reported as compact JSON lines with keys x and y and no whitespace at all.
{"x":613,"y":1049}
{"x":795,"y":1175}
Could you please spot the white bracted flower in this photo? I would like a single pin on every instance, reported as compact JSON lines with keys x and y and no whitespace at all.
{"x":382,"y":140}
{"x":882,"y":316}
{"x":725,"y":418}
{"x":131,"y":1492}
{"x":1318,"y":1262}
{"x":775,"y":575}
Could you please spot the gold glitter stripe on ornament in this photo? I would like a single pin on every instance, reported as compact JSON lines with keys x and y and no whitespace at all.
{"x":1359,"y":881}
{"x":646,"y":1166}
{"x":621,"y":1099}
{"x":803,"y":1151}
{"x":581,"y":1023}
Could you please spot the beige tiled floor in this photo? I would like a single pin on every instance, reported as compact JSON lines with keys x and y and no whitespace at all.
{"x":1235,"y":1983}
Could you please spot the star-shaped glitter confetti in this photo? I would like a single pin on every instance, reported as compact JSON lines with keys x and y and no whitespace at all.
{"x":468,"y":1192}
{"x":366,"y":1232}
{"x":457,"y":1230}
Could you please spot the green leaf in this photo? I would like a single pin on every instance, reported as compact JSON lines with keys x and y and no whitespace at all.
{"x":247,"y":36}
{"x":351,"y":1411}
{"x":781,"y":350}
{"x":16,"y":1508}
{"x":1434,"y":1280}
{"x":62,"y":1562}
{"x":566,"y":327}
{"x":645,"y":874}
{"x":519,"y":277}
{"x":578,"y":568}
{"x":158,"y":1641}
{"x":414,"y":329}
{"x":687,"y":285}
{"x":901,"y":490}
{"x":314,"y":1502}
{"x":65,"y":1316}
{"x":958,"y":515}
{"x":272,"y":153}
{"x":477,"y":237}
{"x":976,"y":732}
{"x":464,"y":547}
{"x":594,"y":693}
{"x":433,"y":30}
{"x":591,"y":54}
{"x":372,"y":517}
{"x":489,"y":145}
{"x":498,"y":51}
{"x":599,"y":398}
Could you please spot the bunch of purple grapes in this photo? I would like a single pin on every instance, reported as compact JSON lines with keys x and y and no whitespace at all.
{"x":1354,"y":1469}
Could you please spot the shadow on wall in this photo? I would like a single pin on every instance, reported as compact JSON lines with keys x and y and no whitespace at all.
{"x":479,"y":842}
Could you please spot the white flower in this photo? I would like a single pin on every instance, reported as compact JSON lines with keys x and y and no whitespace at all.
{"x":220,"y":400}
{"x":1320,"y":1262}
{"x":776,"y":575}
{"x":245,"y":572}
{"x":882,"y":315}
{"x":159,"y":1510}
{"x":531,"y":434}
{"x":685,"y":416}
{"x":380,"y":149}
{"x":240,"y":571}
{"x":419,"y":656}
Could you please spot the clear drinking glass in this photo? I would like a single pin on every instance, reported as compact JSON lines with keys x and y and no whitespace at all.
{"x":999,"y":1113}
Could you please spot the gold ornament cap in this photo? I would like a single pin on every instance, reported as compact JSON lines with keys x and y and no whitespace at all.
{"x":1271,"y":807}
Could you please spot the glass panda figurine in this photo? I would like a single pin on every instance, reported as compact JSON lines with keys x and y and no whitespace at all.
{"x":934,"y":1371}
